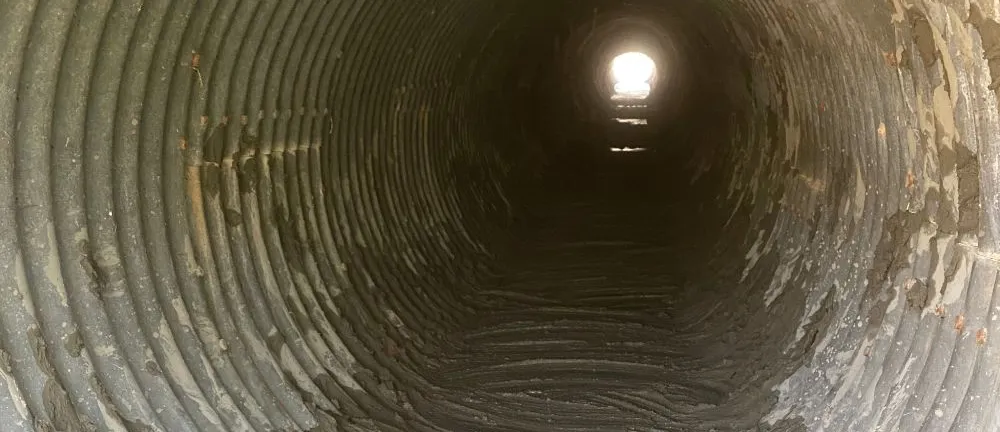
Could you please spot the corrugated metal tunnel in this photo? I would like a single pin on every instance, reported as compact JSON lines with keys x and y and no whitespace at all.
{"x":390,"y":215}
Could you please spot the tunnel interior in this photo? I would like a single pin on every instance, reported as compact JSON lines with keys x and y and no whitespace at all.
{"x":389,"y":215}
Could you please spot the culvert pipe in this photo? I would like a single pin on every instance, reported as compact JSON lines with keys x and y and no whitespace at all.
{"x":363,"y":215}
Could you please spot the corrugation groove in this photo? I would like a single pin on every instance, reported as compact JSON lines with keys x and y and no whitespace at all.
{"x":354,"y":215}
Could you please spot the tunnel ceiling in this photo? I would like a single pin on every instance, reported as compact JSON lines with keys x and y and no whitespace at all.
{"x":275,"y":215}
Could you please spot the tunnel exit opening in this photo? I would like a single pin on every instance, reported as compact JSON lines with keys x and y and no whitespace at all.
{"x":633,"y":74}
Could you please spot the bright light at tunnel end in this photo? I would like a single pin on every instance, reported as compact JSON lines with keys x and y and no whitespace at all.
{"x":632,"y":73}
{"x":633,"y":67}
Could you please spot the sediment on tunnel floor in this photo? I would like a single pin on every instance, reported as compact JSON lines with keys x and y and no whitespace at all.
{"x":590,"y":327}
{"x":292,"y":215}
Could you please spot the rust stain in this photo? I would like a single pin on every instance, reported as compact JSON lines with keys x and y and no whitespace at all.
{"x":981,"y":336}
{"x":960,"y":323}
{"x":890,"y":59}
{"x":193,"y":180}
{"x":911,"y":180}
{"x":183,"y":144}
{"x":196,"y":67}
{"x":939,"y":311}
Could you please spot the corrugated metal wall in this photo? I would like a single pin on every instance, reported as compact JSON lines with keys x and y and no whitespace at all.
{"x":274,"y":215}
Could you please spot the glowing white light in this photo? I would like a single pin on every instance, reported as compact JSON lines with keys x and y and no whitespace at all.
{"x":633,"y":69}
{"x":627,"y":149}
{"x":632,"y":121}
{"x":628,"y":88}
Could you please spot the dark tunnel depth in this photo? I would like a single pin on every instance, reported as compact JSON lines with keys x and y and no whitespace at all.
{"x":357,"y":215}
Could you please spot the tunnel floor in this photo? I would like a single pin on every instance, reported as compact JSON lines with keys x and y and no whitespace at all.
{"x":580,"y":333}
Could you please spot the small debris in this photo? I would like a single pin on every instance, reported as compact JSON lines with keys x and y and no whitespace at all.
{"x":183,"y":144}
{"x":917,"y":294}
{"x":939,"y":311}
{"x":391,"y":349}
{"x":981,"y":336}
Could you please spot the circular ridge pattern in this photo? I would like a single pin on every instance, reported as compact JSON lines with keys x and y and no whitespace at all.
{"x":294,"y":215}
